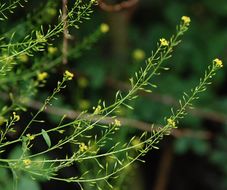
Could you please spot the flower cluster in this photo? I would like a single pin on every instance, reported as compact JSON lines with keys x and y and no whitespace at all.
{"x":97,"y":110}
{"x":42,"y":76}
{"x":164,"y":42}
{"x":171,"y":122}
{"x":68,"y":75}
{"x":30,"y":137}
{"x":83,"y":147}
{"x":40,"y":37}
{"x":27,"y":162}
{"x":117,"y":122}
{"x":218,"y":63}
{"x":93,"y":1}
{"x":186,"y":20}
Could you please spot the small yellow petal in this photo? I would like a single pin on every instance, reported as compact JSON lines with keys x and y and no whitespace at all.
{"x":186,"y":20}
{"x":82,"y":147}
{"x":68,"y":75}
{"x":16,"y":117}
{"x":30,"y":137}
{"x":42,"y":76}
{"x":218,"y":62}
{"x":164,"y":42}
{"x":171,"y":122}
{"x":97,"y":110}
{"x":27,"y":162}
{"x":117,"y":123}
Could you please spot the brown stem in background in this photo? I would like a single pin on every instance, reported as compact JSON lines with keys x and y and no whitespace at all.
{"x":170,"y":101}
{"x":164,"y":168}
{"x":116,"y":7}
{"x":71,"y":114}
{"x":119,"y":24}
{"x":65,"y":32}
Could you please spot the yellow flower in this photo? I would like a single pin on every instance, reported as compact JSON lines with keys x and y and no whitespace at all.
{"x":218,"y":62}
{"x":93,"y":1}
{"x":138,"y":54}
{"x":186,"y":20}
{"x":40,"y":37}
{"x":30,"y":137}
{"x":27,"y":162}
{"x":42,"y":76}
{"x":68,"y":75}
{"x":16,"y":117}
{"x":82,"y":147}
{"x":171,"y":122}
{"x":52,"y":50}
{"x":164,"y":42}
{"x":97,"y":110}
{"x":104,"y":28}
{"x":117,"y":123}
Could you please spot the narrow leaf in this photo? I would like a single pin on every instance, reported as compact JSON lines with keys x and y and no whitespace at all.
{"x":46,"y":138}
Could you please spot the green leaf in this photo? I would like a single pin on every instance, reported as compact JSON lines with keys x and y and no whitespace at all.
{"x":28,"y":183}
{"x":15,"y":153}
{"x":46,"y":138}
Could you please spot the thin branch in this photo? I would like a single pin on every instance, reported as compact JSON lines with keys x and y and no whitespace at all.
{"x":71,"y":114}
{"x":164,"y":168}
{"x":116,"y":7}
{"x":65,"y":32}
{"x":124,"y":121}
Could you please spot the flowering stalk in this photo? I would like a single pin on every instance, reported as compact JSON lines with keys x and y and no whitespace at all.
{"x":185,"y":102}
{"x":67,"y":76}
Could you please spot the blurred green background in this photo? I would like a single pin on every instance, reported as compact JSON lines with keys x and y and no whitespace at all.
{"x":195,"y":156}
